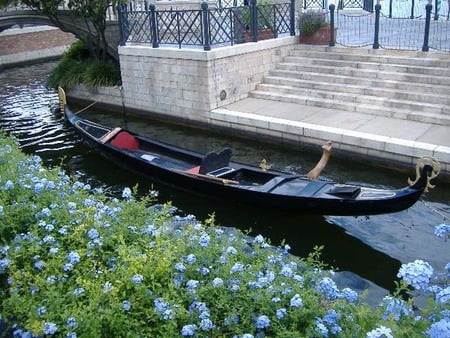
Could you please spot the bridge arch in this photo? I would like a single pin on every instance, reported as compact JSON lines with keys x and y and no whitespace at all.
{"x":66,"y":22}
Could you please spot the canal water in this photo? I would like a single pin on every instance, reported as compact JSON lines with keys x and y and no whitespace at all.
{"x":368,"y":250}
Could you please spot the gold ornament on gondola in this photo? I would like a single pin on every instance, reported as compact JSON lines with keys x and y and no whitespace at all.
{"x":264,"y":165}
{"x":421,"y":163}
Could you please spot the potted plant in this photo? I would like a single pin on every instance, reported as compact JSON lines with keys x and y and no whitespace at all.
{"x":314,"y":27}
{"x":266,"y":30}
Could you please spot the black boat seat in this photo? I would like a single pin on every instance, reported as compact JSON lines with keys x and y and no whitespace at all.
{"x":345,"y":191}
{"x":312,"y":187}
{"x":215,"y":160}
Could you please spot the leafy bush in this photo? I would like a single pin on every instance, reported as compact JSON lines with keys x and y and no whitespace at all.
{"x":77,"y":263}
{"x":77,"y":68}
{"x":310,"y":21}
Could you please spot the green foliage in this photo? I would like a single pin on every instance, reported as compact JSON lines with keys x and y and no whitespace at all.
{"x":74,"y":261}
{"x":310,"y":21}
{"x":76,"y":67}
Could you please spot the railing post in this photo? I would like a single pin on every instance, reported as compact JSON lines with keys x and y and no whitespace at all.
{"x":436,"y":10}
{"x":153,"y":30}
{"x":292,"y":18}
{"x":123,"y":23}
{"x":254,"y":20}
{"x":412,"y":10}
{"x":376,"y":44}
{"x":426,"y":37}
{"x":332,"y":37}
{"x":205,"y":21}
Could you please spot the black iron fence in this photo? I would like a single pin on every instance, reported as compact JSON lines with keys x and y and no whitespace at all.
{"x":206,"y":27}
{"x":215,"y":27}
{"x":380,"y":30}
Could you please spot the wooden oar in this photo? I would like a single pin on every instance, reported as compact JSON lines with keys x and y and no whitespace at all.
{"x":213,"y":178}
{"x":326,"y":152}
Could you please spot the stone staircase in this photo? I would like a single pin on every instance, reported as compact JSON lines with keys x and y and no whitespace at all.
{"x":399,"y":84}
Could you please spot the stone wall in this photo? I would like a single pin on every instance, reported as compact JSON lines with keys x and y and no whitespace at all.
{"x":188,"y":83}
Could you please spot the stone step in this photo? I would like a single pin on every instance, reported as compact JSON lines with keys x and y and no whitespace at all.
{"x":356,"y":99}
{"x":383,"y":67}
{"x":367,"y":73}
{"x":409,"y":58}
{"x":361,"y":106}
{"x":421,"y":94}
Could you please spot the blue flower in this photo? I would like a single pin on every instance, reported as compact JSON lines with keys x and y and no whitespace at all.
{"x":160,"y":305}
{"x":380,"y":332}
{"x":49,"y":328}
{"x":68,"y":267}
{"x":206,"y":324}
{"x":107,"y":287}
{"x":204,"y":240}
{"x":38,"y":188}
{"x":180,"y":267}
{"x":262,"y":322}
{"x":237,"y":267}
{"x":9,"y":185}
{"x":137,"y":279}
{"x":443,"y":296}
{"x":71,"y":322}
{"x":93,"y":234}
{"x":296,"y":301}
{"x":395,"y":307}
{"x":321,"y":329}
{"x":328,"y":288}
{"x":286,"y":271}
{"x":442,"y":231}
{"x":126,"y":305}
{"x":231,"y":251}
{"x":78,"y":291}
{"x":41,"y":310}
{"x":188,"y":330}
{"x":191,"y":259}
{"x":281,"y":313}
{"x":39,"y":265}
{"x":417,"y":274}
{"x":126,"y":193}
{"x":53,"y":250}
{"x":73,"y":257}
{"x":439,"y":329}
{"x":217,"y":282}
{"x":192,"y":285}
{"x":349,"y":295}
{"x":4,"y":263}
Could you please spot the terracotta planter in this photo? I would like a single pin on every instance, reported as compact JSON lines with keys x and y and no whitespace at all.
{"x":264,"y":34}
{"x":322,"y":36}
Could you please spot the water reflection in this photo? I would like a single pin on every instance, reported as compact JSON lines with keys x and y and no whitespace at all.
{"x":372,"y":247}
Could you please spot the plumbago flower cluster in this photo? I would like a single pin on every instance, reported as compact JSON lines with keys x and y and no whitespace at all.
{"x":76,"y":263}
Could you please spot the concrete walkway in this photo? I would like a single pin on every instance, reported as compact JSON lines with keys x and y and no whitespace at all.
{"x":375,"y":137}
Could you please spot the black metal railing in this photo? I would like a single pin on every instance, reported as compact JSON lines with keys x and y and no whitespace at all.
{"x":205,"y":27}
{"x":381,"y":31}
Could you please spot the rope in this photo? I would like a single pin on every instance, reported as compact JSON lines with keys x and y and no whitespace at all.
{"x":443,"y":214}
{"x":87,"y":107}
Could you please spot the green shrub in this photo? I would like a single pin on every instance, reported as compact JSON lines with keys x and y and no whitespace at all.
{"x":77,"y":68}
{"x":77,"y":263}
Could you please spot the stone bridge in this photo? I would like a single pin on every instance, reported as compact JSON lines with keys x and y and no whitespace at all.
{"x":21,"y":15}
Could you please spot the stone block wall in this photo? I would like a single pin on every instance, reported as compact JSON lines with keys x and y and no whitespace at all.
{"x":188,"y":83}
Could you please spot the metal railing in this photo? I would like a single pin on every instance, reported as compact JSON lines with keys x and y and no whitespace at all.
{"x":378,"y":30}
{"x":206,"y":27}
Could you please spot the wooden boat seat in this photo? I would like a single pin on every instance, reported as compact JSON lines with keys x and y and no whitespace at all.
{"x":125,"y":140}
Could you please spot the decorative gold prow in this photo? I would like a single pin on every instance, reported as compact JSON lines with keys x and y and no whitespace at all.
{"x":62,"y":99}
{"x":326,"y":152}
{"x":264,"y":165}
{"x":421,"y":163}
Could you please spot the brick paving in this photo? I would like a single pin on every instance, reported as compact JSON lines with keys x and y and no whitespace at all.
{"x":37,"y":40}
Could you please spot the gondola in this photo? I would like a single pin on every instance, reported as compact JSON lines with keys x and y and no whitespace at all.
{"x":216,"y":176}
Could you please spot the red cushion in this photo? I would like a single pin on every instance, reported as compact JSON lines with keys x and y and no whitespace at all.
{"x":193,"y":170}
{"x":125,"y":140}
